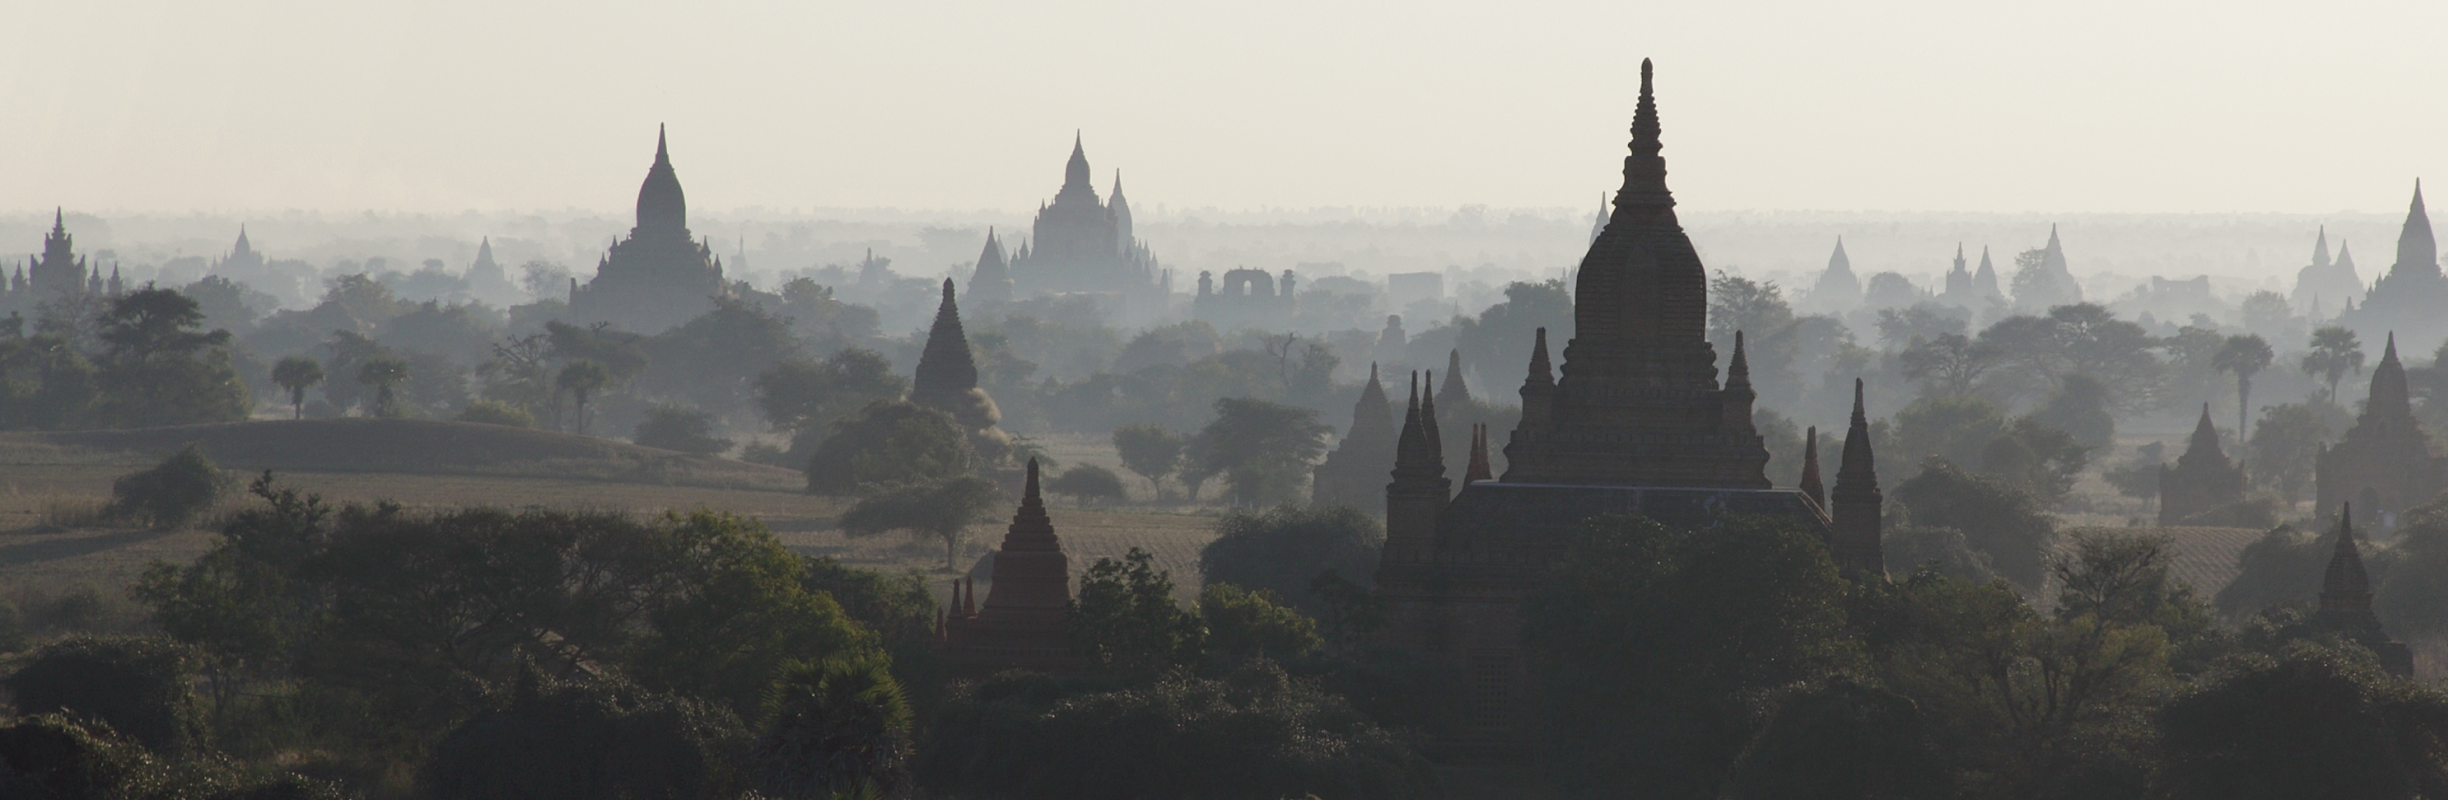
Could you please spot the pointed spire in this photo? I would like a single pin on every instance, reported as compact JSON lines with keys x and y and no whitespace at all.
{"x":662,"y":146}
{"x":2345,"y":587}
{"x":1412,"y":456}
{"x":1853,"y":529}
{"x":2345,"y":260}
{"x":1811,"y":487}
{"x":2205,"y":438}
{"x":2320,"y":249}
{"x":1428,"y":427}
{"x":947,"y":373}
{"x":1455,"y":393}
{"x":2390,"y":398}
{"x":1542,"y":371}
{"x":1478,"y":469}
{"x":1738,"y":369}
{"x":2416,"y":249}
{"x":1644,"y":170}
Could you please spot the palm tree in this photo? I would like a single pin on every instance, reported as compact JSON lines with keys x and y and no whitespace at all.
{"x":581,"y":378}
{"x":2244,"y":356}
{"x":297,"y":374}
{"x":381,"y":372}
{"x":2334,"y":351}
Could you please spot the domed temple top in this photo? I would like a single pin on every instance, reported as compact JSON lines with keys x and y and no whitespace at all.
{"x":1638,"y":403}
{"x":661,"y":207}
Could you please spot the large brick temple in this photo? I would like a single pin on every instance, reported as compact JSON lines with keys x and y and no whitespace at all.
{"x":1636,"y":424}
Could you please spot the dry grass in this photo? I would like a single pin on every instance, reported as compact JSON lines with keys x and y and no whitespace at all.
{"x":75,"y":512}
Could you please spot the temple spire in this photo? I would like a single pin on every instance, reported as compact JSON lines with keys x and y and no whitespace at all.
{"x":1478,"y":469}
{"x":2205,"y":436}
{"x":1428,"y":427}
{"x":1455,"y":393}
{"x":2390,"y":398}
{"x":1854,"y":527}
{"x":1644,"y":169}
{"x":1811,"y":486}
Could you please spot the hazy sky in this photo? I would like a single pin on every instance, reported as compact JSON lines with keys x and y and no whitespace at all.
{"x":2118,"y":106}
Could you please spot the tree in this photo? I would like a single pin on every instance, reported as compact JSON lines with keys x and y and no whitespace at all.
{"x":382,"y":373}
{"x":1948,"y":365}
{"x":297,"y":374}
{"x":2245,"y":356}
{"x":2313,"y":723}
{"x":2000,"y":520}
{"x":582,"y":379}
{"x":800,"y":396}
{"x":158,"y":369}
{"x":836,"y":728}
{"x":2286,"y":447}
{"x":1707,"y":619}
{"x":1150,"y":450}
{"x":1088,"y":482}
{"x":1125,"y":619}
{"x":684,"y":429}
{"x":1243,"y":623}
{"x":940,"y":511}
{"x":889,"y":443}
{"x":2334,"y":352}
{"x":141,"y":687}
{"x":2080,"y":408}
{"x":1283,"y":551}
{"x":172,"y":492}
{"x":580,"y":739}
{"x":1263,"y":449}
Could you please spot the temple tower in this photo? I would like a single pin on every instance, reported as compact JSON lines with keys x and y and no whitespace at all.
{"x":1419,"y":489}
{"x":1638,"y":403}
{"x":1810,"y":485}
{"x":2407,"y":298}
{"x":991,"y":285}
{"x":59,"y":270}
{"x":1081,"y":244}
{"x":1853,"y":528}
{"x":1837,"y":289}
{"x":2202,"y":479}
{"x":946,"y":379}
{"x":2384,"y":462}
{"x":658,"y":277}
{"x":2346,"y":601}
{"x":1355,"y":473}
{"x":1021,"y":625}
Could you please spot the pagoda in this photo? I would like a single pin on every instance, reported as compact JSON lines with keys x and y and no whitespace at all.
{"x":1354,"y":474}
{"x":1637,"y":424}
{"x":2346,"y":602}
{"x":658,"y":277}
{"x":2202,"y":479}
{"x":2384,"y":463}
{"x":1021,"y":625}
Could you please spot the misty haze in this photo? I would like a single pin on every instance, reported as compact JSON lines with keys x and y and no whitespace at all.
{"x":1272,"y":401}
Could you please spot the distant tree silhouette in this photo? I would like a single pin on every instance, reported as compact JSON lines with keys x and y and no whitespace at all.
{"x":684,"y":429}
{"x":172,"y":492}
{"x":2246,"y":356}
{"x":941,"y":511}
{"x":889,"y":443}
{"x":1150,"y":450}
{"x":2334,"y":352}
{"x":1088,"y":482}
{"x":1263,"y":449}
{"x":297,"y":374}
{"x":382,"y":373}
{"x":582,"y":379}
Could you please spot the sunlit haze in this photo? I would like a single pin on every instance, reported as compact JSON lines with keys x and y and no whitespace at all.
{"x":450,"y":106}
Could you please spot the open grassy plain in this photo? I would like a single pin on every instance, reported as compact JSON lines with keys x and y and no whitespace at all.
{"x":49,"y":482}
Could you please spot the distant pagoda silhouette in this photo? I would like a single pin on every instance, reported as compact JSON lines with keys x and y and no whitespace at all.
{"x":2383,"y":464}
{"x":2346,"y":602}
{"x":2408,"y":298}
{"x":1355,"y":473}
{"x":1080,"y":244}
{"x":2202,"y":479}
{"x":658,"y":277}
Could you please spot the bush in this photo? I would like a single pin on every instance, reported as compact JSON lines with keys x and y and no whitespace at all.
{"x":172,"y":493}
{"x":1282,"y":551}
{"x":682,"y":429}
{"x":495,"y":412}
{"x":889,"y":443}
{"x":141,"y":687}
{"x":1088,"y":482}
{"x":583,"y":740}
{"x":1243,"y":623}
{"x":2314,"y":723}
{"x":1253,"y":733}
{"x":2002,"y":522}
{"x":833,"y":729}
{"x":939,"y":512}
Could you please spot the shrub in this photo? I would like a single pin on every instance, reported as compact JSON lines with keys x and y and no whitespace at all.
{"x":1088,"y":482}
{"x":171,"y":493}
{"x":682,"y":429}
{"x":1996,"y":518}
{"x":939,"y":511}
{"x":582,"y":740}
{"x":1283,"y":550}
{"x":889,"y":443}
{"x":1244,"y":623}
{"x":495,"y":412}
{"x":833,"y":729}
{"x":141,"y":687}
{"x":1252,"y":733}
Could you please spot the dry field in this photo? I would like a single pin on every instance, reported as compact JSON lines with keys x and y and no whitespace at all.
{"x":45,"y":483}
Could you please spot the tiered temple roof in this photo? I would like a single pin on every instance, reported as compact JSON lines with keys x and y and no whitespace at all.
{"x":1021,"y":625}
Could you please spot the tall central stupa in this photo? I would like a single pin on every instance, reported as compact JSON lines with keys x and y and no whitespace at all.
{"x":660,"y":276}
